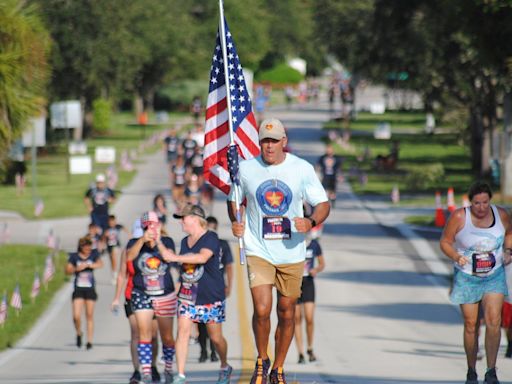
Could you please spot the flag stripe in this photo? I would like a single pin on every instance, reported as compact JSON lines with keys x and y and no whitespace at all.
{"x":243,"y":123}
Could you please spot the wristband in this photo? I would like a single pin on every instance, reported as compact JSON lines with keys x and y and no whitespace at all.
{"x":313,"y":222}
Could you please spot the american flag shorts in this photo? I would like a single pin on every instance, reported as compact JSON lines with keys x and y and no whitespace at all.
{"x":163,"y":306}
{"x":205,"y":313}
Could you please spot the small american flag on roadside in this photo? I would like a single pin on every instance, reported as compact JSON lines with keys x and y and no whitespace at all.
{"x":3,"y":309}
{"x":36,"y":286}
{"x":16,"y":298}
{"x":49,"y":269}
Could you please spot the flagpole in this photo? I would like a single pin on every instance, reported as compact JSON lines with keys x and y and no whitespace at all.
{"x":222,"y":30}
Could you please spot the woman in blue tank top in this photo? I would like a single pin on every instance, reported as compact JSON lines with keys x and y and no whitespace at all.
{"x":478,"y":239}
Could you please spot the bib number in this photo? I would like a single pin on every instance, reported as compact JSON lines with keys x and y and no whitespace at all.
{"x":277,"y":228}
{"x":483,"y":263}
{"x":153,"y":284}
{"x":188,"y":293}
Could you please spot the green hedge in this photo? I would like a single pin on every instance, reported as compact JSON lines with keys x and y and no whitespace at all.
{"x":280,"y":74}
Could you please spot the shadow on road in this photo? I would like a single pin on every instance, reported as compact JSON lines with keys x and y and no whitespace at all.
{"x":425,"y":312}
{"x":383,"y":277}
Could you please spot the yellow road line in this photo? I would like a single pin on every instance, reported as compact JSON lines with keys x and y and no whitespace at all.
{"x":248,"y":349}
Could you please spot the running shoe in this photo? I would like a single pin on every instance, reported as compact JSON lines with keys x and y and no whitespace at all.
{"x":146,"y":379}
{"x":225,"y":375}
{"x":78,"y":341}
{"x":312,"y":356}
{"x":508,"y":354}
{"x":88,"y":346}
{"x":260,"y":373}
{"x":490,"y":377}
{"x":135,"y":379}
{"x":277,"y":376}
{"x":168,"y":377}
{"x":214,"y":357}
{"x":203,"y":357}
{"x":302,"y":360}
{"x":179,"y":379}
{"x":471,"y":377}
{"x":155,"y":376}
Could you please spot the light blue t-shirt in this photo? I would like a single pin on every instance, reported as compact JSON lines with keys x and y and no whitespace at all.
{"x":277,"y":191}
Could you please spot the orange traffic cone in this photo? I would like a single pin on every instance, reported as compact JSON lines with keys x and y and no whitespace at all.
{"x":451,"y":200}
{"x":465,"y":201}
{"x":440,"y":219}
{"x":395,"y":194}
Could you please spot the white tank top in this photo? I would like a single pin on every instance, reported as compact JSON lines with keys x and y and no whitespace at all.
{"x":482,"y":246}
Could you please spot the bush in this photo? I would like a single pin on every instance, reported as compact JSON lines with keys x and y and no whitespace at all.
{"x":101,"y":115}
{"x":181,"y":93}
{"x":424,"y":176}
{"x":280,"y":74}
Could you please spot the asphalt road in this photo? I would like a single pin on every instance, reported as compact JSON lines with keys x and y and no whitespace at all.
{"x":383,"y":314}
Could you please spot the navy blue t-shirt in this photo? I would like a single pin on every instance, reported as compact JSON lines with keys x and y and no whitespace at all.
{"x":99,"y":199}
{"x":226,"y":257}
{"x":209,"y":276}
{"x":85,"y":278}
{"x":313,"y":250}
{"x":152,"y":272}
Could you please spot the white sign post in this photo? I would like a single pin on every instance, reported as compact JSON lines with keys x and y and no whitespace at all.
{"x":80,"y":165}
{"x":105,"y":155}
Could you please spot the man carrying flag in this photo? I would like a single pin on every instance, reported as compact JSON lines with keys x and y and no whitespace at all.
{"x":275,"y":184}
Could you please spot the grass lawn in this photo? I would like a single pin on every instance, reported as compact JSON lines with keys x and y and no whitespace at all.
{"x":417,"y":151}
{"x":19,"y":265}
{"x":61,"y":194}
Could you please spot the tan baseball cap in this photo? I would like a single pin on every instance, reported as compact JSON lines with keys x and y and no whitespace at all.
{"x":190,"y":210}
{"x":271,"y":129}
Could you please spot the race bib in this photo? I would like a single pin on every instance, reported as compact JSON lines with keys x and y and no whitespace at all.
{"x":483,"y":263}
{"x":188,"y":293}
{"x":154,"y":284}
{"x":84,"y":279}
{"x":276,"y":228}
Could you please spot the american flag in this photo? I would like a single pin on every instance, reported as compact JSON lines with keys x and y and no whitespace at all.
{"x":38,"y":207}
{"x":3,"y":309}
{"x":49,"y":269}
{"x":51,"y":240}
{"x":16,"y":298}
{"x":245,"y":129}
{"x":36,"y":285}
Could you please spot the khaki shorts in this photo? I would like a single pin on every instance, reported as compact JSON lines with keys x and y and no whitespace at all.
{"x":286,"y":277}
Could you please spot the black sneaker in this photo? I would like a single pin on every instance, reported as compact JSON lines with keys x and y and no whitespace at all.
{"x":203,"y":357}
{"x":155,"y":376}
{"x":302,"y":360}
{"x":277,"y":376}
{"x":490,"y":377}
{"x":312,"y":356}
{"x":471,"y":377}
{"x":135,"y":379}
{"x":78,"y":341}
{"x":214,"y":357}
{"x":509,"y":351}
{"x":88,"y":346}
{"x":260,"y":373}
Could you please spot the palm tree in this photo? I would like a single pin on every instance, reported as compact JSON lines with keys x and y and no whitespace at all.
{"x":24,"y":69}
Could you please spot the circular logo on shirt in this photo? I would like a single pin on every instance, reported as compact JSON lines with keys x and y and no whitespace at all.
{"x":151,"y":265}
{"x":274,"y":197}
{"x":191,"y":273}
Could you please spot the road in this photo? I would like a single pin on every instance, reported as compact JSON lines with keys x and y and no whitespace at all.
{"x":383,"y":314}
